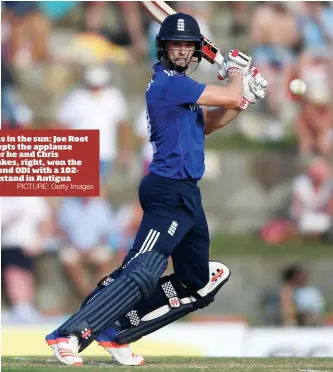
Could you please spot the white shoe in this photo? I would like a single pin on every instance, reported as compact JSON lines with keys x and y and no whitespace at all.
{"x":65,"y":348}
{"x":122,"y":353}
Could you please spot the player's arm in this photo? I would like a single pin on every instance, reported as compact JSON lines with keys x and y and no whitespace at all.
{"x":229,"y":96}
{"x":254,"y":87}
{"x":235,"y":66}
{"x":182,"y":90}
{"x":218,"y":118}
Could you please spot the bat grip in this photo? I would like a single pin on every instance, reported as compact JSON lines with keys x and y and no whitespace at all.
{"x":219,"y":61}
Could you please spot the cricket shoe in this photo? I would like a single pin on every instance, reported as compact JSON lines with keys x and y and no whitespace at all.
{"x":121,"y":353}
{"x":65,"y":348}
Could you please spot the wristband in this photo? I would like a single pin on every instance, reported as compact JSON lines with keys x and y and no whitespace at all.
{"x":235,"y":70}
{"x":244,"y":104}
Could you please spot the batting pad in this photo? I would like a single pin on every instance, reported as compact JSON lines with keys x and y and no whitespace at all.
{"x":176,"y":307}
{"x":116,"y":299}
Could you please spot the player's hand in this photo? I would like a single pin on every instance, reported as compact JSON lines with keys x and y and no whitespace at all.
{"x":254,"y":88}
{"x":235,"y":62}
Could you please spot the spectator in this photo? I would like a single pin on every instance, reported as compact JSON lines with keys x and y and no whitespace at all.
{"x":55,"y":10}
{"x":239,"y":14}
{"x":141,"y":130}
{"x":29,"y":34}
{"x":312,"y":206}
{"x":133,"y":20}
{"x":14,"y":113}
{"x":274,"y":37}
{"x":129,"y":32}
{"x":97,"y":105}
{"x":300,"y":303}
{"x":314,"y":125}
{"x":7,"y":105}
{"x":6,"y":21}
{"x":25,"y":228}
{"x":315,"y":19}
{"x":296,"y":302}
{"x":84,"y":226}
{"x":311,"y":212}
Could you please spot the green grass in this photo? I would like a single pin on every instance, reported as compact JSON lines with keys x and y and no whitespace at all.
{"x":177,"y":364}
{"x":245,"y":245}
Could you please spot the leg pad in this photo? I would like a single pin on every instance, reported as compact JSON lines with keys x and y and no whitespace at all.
{"x":137,"y":281}
{"x":177,"y":302}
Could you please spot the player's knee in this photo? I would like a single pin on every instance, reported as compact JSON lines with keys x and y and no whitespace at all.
{"x":198,"y":284}
{"x":109,"y":278}
{"x":146,"y":269}
{"x":219,"y":274}
{"x":193,"y":282}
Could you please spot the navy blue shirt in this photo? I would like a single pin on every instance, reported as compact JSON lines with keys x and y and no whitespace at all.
{"x":175,"y":125}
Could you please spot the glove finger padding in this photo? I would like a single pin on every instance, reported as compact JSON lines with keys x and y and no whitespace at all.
{"x":254,"y":71}
{"x":254,"y":88}
{"x":258,"y":79}
{"x":257,"y":84}
{"x":260,"y":82}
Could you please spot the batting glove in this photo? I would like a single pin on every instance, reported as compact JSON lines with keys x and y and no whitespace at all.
{"x":254,"y":88}
{"x":234,"y":62}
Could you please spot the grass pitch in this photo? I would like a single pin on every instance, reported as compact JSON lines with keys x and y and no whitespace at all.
{"x":176,"y":364}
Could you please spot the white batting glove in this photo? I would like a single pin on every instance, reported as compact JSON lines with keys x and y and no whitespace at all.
{"x":234,"y":62}
{"x":254,"y":88}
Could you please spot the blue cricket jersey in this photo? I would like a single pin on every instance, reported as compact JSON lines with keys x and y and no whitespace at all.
{"x":175,"y":125}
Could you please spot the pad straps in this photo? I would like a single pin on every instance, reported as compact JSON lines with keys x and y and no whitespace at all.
{"x":169,"y":292}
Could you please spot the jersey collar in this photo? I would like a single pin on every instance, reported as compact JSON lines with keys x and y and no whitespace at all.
{"x":160,"y":67}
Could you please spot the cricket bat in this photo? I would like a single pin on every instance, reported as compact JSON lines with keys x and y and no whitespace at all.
{"x":159,"y":10}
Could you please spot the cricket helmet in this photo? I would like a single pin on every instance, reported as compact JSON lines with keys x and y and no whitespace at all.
{"x":182,"y":27}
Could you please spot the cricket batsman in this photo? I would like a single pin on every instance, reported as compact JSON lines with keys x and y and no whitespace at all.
{"x":136,"y":300}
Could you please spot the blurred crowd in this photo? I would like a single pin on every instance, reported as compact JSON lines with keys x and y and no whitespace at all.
{"x":295,"y":301}
{"x":85,"y":235}
{"x":295,"y":40}
{"x":85,"y":65}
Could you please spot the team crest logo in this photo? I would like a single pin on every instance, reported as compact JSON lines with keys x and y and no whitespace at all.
{"x":173,"y":228}
{"x":180,"y":24}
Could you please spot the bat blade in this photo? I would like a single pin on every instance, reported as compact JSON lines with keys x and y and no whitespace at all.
{"x":159,"y":10}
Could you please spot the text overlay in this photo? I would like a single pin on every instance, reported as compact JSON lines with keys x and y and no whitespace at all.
{"x":49,"y":162}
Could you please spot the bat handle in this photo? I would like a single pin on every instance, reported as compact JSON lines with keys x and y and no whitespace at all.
{"x":219,"y":61}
